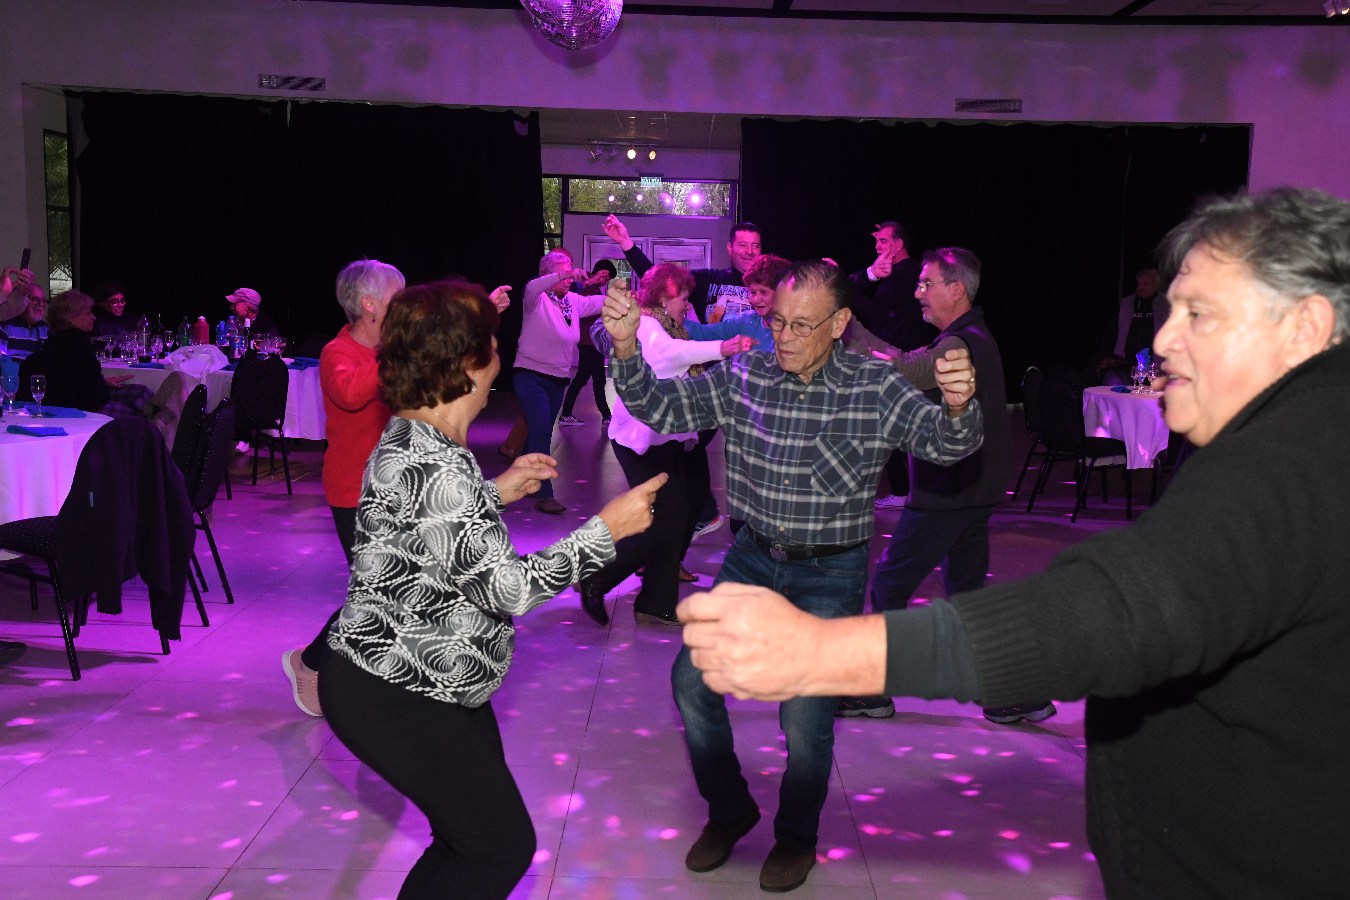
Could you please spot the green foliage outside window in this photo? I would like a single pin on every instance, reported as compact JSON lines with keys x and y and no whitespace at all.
{"x":60,"y":260}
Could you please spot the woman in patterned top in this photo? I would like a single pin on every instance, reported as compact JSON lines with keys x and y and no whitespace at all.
{"x":426,"y":634}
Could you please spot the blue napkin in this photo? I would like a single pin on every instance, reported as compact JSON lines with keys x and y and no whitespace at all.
{"x":56,"y":412}
{"x":36,"y":430}
{"x":231,"y":367}
{"x":1144,"y":357}
{"x":149,"y":365}
{"x":1120,"y":389}
{"x":307,"y":360}
{"x":298,"y":364}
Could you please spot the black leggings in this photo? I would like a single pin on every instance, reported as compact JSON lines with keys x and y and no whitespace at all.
{"x":448,"y":761}
{"x":344,"y":520}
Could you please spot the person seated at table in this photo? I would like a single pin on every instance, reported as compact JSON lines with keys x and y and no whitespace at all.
{"x":246,"y":306}
{"x":15,"y":283}
{"x":28,"y":329}
{"x":110,"y":314}
{"x":426,"y":635}
{"x":74,"y":376}
{"x":1137,"y":321}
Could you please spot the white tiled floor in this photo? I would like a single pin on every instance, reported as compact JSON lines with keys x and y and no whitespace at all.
{"x":194,"y":776}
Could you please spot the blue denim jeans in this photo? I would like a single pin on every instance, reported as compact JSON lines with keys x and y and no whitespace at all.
{"x":830,"y":588}
{"x":956,"y":538}
{"x":540,"y":398}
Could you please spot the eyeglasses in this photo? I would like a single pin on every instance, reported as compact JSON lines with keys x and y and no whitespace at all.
{"x":800,"y":329}
{"x":926,"y":284}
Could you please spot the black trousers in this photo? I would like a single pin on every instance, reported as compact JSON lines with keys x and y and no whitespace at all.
{"x":344,"y":520}
{"x":590,"y":367}
{"x":660,"y":548}
{"x":448,"y":761}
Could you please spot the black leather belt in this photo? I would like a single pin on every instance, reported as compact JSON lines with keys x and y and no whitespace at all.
{"x":793,"y":552}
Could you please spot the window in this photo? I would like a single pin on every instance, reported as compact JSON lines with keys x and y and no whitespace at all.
{"x":56,"y":162}
{"x":553,"y":216}
{"x":710,"y":199}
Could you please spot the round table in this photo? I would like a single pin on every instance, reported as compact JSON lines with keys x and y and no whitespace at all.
{"x":305,"y":417}
{"x":36,"y":472}
{"x":1136,"y":419}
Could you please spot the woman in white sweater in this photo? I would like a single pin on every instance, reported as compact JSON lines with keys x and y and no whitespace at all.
{"x":644,"y":453}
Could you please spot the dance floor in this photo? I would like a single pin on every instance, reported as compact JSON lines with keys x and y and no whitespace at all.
{"x":193,"y":775}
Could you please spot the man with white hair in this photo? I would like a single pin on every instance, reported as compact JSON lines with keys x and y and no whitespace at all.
{"x":1211,"y":637}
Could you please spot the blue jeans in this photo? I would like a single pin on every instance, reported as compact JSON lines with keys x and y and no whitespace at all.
{"x":957,"y":538}
{"x":540,"y":398}
{"x":830,"y":588}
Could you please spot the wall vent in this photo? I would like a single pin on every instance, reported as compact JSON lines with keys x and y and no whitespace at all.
{"x":291,"y":83}
{"x":976,"y":105}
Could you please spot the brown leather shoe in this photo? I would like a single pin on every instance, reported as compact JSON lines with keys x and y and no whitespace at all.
{"x":785,"y":869}
{"x":713,"y":846}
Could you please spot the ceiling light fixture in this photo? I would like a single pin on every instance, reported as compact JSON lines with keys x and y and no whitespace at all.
{"x":632,"y":153}
{"x":574,"y":24}
{"x":651,"y":154}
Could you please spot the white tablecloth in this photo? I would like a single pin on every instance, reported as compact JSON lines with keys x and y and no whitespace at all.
{"x":1136,"y":419}
{"x":36,"y":472}
{"x":304,"y":401}
{"x":170,"y":390}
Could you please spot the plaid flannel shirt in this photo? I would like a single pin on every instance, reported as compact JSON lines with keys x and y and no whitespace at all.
{"x":802,"y":457}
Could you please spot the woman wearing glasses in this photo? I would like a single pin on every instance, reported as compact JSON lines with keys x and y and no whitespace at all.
{"x":110,"y":308}
{"x":644,"y":453}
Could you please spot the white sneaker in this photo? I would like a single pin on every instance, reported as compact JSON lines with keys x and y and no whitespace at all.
{"x":569,"y":421}
{"x":304,"y":683}
{"x":708,"y":527}
{"x":891,"y":501}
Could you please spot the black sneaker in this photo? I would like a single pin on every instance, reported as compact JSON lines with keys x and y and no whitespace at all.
{"x":877,"y":707}
{"x":1030,"y":712}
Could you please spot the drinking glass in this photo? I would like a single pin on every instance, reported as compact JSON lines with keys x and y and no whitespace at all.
{"x":9,"y":386}
{"x":170,"y":340}
{"x":156,"y":347}
{"x":38,"y":385}
{"x":1137,"y":375}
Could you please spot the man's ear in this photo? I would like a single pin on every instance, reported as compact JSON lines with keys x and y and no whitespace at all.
{"x":841,"y":320}
{"x":1314,"y":328}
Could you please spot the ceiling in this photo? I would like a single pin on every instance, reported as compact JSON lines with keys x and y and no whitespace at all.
{"x":723,"y":132}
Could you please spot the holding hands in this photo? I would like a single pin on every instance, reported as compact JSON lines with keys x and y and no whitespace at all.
{"x":621,"y":316}
{"x":956,"y":379}
{"x":524,"y":475}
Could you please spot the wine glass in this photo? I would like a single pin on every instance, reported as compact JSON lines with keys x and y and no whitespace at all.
{"x":38,"y":385}
{"x":9,"y":386}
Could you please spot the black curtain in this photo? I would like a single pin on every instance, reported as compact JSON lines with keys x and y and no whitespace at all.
{"x":1061,"y":216}
{"x":184,"y":199}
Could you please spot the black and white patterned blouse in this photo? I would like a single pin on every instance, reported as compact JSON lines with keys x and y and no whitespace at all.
{"x":435,"y":579}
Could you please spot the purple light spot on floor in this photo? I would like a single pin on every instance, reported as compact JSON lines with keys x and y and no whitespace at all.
{"x":642,"y":732}
{"x":349,"y":815}
{"x":542,"y":856}
{"x":1048,"y":759}
{"x":232,"y":842}
{"x":22,"y":721}
{"x":1060,"y":845}
{"x":187,"y":715}
{"x":1006,"y":753}
{"x":944,"y":756}
{"x":560,"y":759}
{"x":228,"y":783}
{"x":277,"y":878}
{"x":223,"y":895}
{"x":838,"y":853}
{"x":26,"y":837}
{"x":945,"y":832}
{"x":971,"y":793}
{"x":1010,"y":835}
{"x":961,"y":779}
{"x":1017,"y":862}
{"x":864,"y":798}
{"x":82,"y":880}
{"x":613,"y":821}
{"x":980,"y":751}
{"x":563,"y":803}
{"x":97,"y":851}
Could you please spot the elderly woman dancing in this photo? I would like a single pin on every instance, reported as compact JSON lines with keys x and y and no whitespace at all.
{"x":643,"y":452}
{"x":426,"y":635}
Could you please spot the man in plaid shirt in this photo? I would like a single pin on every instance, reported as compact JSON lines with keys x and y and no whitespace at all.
{"x":807,"y":427}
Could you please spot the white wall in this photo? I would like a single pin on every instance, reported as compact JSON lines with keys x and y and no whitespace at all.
{"x":1292,"y":84}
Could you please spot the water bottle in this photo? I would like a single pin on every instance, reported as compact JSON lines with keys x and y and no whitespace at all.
{"x":185,"y":333}
{"x":143,"y":337}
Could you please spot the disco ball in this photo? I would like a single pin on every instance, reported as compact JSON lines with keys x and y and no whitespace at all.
{"x":574,"y":24}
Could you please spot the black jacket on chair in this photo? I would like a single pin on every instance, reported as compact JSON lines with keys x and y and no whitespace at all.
{"x":128,"y":514}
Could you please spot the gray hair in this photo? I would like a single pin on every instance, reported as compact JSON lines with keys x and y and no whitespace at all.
{"x":816,"y":273}
{"x":1295,"y":242}
{"x":957,"y":264}
{"x":551,"y":260}
{"x":65,"y":306}
{"x":366,"y":278}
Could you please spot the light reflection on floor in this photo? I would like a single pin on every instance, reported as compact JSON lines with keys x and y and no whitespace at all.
{"x":193,"y":775}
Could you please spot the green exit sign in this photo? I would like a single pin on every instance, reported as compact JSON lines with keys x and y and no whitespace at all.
{"x":651,"y":181}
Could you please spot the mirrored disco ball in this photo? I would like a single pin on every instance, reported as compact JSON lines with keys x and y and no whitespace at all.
{"x":574,"y":24}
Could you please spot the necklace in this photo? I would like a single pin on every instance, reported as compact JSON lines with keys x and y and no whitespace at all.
{"x":449,"y":432}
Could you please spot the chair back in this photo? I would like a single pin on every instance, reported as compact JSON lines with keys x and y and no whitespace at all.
{"x":188,"y":433}
{"x":259,"y":393}
{"x":215,"y":450}
{"x":1061,"y":414}
{"x":1031,"y":400}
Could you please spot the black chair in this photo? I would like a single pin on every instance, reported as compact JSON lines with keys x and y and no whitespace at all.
{"x":1032,"y":380}
{"x":127,"y":514}
{"x":215,"y":449}
{"x":259,"y":393}
{"x":189,"y":431}
{"x":1062,"y":432}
